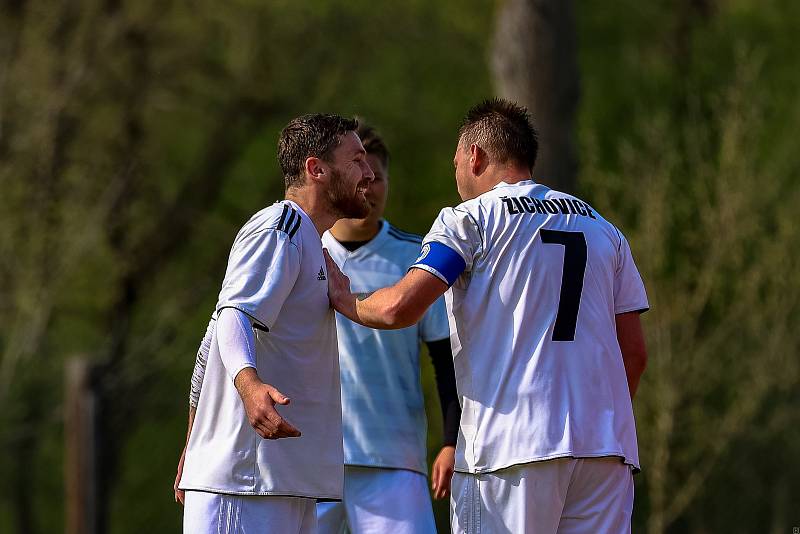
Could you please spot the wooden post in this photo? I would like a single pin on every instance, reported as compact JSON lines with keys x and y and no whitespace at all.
{"x":79,"y":435}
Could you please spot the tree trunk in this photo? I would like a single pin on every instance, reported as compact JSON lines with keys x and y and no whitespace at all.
{"x":79,"y":462}
{"x":534,"y":62}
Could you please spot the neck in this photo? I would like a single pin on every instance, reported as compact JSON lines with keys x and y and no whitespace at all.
{"x":503,"y":173}
{"x":355,"y":229}
{"x":315,"y":205}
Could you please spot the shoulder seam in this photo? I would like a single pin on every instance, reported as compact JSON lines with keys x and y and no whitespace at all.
{"x":409,"y":238}
{"x":403,"y":232}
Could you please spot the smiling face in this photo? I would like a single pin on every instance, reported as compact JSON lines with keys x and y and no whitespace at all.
{"x":350,"y":179}
{"x":366,"y":228}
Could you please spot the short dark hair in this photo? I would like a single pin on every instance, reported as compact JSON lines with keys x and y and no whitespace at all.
{"x":316,"y":135}
{"x":503,"y":129}
{"x":373,"y":142}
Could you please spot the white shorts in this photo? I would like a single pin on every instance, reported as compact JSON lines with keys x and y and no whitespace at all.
{"x":564,"y":496}
{"x":215,"y":513}
{"x":379,"y":501}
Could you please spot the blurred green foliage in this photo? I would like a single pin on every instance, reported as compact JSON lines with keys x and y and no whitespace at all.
{"x":137,"y":137}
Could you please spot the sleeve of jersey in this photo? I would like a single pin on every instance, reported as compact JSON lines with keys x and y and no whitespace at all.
{"x":199,"y":371}
{"x":442,"y":358}
{"x":262,"y":270}
{"x":629,"y":292}
{"x":236,"y":341}
{"x":451,"y":245}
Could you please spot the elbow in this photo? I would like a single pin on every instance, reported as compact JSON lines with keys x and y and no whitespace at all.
{"x":638,"y":361}
{"x":635,"y":359}
{"x":400,"y":314}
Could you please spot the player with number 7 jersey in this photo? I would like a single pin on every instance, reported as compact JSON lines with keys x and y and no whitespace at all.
{"x":543,"y":300}
{"x":537,"y":277}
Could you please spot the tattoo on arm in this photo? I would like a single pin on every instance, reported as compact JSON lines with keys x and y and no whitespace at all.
{"x":364,"y":296}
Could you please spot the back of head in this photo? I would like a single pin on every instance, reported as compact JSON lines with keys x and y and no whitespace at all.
{"x":373,"y":142}
{"x":503,"y":130}
{"x":316,"y":135}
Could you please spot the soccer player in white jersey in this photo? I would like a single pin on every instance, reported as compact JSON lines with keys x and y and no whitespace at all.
{"x":273,"y":322}
{"x":544,"y":301}
{"x":383,"y":411}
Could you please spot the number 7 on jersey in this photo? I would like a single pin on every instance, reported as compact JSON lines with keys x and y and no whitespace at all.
{"x":571,"y":280}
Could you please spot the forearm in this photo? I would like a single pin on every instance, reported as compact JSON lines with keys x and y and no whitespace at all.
{"x":398,"y":306}
{"x":452,"y":419}
{"x":247,"y":381}
{"x":634,"y":369}
{"x":385,"y":309}
{"x":442,"y":358}
{"x":190,"y":424}
{"x":633,"y":348}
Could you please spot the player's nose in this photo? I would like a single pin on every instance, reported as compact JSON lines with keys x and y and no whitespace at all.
{"x":366,"y":172}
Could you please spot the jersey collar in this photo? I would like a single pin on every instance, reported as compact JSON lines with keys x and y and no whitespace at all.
{"x":367,"y":248}
{"x":520,"y":183}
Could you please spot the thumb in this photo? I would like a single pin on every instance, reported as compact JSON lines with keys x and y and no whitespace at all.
{"x":277,"y":396}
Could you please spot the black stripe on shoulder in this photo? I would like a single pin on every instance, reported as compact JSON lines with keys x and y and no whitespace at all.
{"x":295,"y":228}
{"x":404,"y":233}
{"x":283,"y":216}
{"x":399,"y":237}
{"x":619,"y":236}
{"x":405,"y":238}
{"x":289,"y":220}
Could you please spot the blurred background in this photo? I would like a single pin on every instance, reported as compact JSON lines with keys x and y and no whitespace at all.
{"x":136,"y":137}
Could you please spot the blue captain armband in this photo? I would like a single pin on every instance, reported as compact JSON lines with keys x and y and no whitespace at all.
{"x":441,"y":261}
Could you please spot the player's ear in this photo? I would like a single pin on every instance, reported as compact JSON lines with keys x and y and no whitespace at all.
{"x":315,"y":168}
{"x":478,"y":158}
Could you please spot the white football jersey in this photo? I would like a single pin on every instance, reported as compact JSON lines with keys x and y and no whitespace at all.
{"x":276,"y":275}
{"x":537,"y":277}
{"x":383,"y":409}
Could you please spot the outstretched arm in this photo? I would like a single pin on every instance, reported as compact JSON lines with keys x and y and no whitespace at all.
{"x":398,"y":306}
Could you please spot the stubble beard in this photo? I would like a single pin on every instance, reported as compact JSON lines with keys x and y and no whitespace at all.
{"x":343,"y":203}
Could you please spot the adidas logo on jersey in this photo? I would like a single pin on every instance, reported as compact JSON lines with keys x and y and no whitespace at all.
{"x":321,"y":275}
